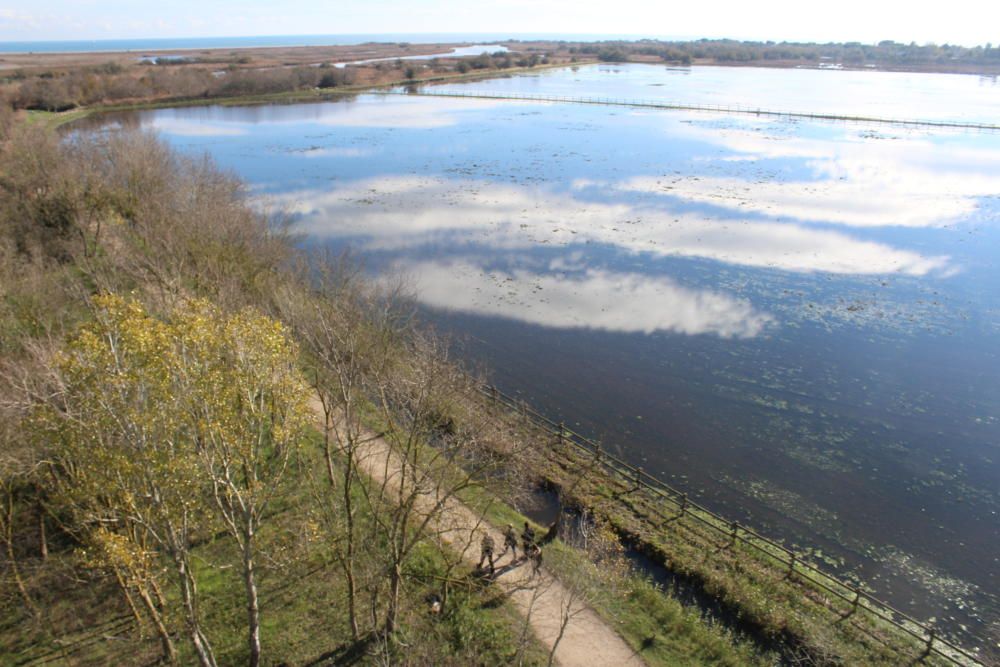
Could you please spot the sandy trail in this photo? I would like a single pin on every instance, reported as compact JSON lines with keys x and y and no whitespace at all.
{"x":587,"y":640}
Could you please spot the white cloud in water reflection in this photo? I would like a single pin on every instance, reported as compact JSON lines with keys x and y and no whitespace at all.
{"x":365,"y":111}
{"x":395,"y":213}
{"x":595,"y":299}
{"x":859,"y":179}
{"x":403,"y":112}
{"x":193,"y":128}
{"x":335,"y":151}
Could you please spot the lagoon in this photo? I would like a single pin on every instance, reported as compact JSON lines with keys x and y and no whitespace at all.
{"x":795,"y":321}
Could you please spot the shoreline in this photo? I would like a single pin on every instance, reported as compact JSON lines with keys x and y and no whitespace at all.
{"x":305,"y":54}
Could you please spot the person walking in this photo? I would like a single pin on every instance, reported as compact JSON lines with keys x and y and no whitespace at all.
{"x":509,"y":542}
{"x":486,"y":547}
{"x":527,"y":538}
{"x":535,"y":554}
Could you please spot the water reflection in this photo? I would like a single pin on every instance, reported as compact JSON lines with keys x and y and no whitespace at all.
{"x":367,"y":111}
{"x":874,"y":201}
{"x":591,"y":299}
{"x":864,"y":178}
{"x":457,"y":52}
{"x":804,"y":314}
{"x":400,"y":212}
{"x":186,"y":127}
{"x":851,"y":93}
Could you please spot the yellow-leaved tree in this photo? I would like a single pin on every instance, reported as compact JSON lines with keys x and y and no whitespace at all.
{"x":126,"y":458}
{"x":164,"y":426}
{"x":248,"y":403}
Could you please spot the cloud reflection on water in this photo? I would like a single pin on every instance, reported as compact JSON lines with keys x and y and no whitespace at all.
{"x":183,"y":127}
{"x":365,"y":111}
{"x":594,"y":299}
{"x":861,"y":179}
{"x":400,"y":212}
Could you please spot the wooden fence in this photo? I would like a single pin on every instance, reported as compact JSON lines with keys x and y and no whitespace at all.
{"x":859,"y":600}
{"x":682,"y":106}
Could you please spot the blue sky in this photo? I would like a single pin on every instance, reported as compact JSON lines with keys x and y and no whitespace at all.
{"x":967,"y":22}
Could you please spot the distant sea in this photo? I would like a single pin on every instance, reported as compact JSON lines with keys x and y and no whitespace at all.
{"x":175,"y":43}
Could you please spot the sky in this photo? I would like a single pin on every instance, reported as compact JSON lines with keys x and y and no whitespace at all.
{"x":965,"y":22}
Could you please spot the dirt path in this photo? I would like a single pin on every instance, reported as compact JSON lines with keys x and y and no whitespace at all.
{"x":550,"y":607}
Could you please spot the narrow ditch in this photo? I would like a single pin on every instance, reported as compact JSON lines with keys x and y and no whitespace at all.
{"x":545,"y":507}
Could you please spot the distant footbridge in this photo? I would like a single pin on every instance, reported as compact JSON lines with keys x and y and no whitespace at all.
{"x":713,"y":108}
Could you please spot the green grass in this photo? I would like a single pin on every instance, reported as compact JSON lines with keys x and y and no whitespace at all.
{"x":751,"y":585}
{"x":302,"y":602}
{"x":652,"y":622}
{"x":655,"y":624}
{"x":55,"y":119}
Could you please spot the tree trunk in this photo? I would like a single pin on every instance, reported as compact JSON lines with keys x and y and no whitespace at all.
{"x":43,"y":540}
{"x":395,"y":581}
{"x":253,"y":609}
{"x":161,"y":601}
{"x":188,"y":593}
{"x":8,"y":523}
{"x":352,"y":596}
{"x":348,"y":561}
{"x":169,"y":651}
{"x":131,"y":603}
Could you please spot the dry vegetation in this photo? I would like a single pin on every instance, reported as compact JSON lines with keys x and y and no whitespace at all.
{"x":162,"y":495}
{"x":58,"y":82}
{"x":162,"y":498}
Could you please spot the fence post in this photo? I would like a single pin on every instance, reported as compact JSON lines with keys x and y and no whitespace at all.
{"x":930,"y":641}
{"x":638,"y":479}
{"x":684,"y":504}
{"x":735,"y":526}
{"x":562,"y":430}
{"x":791,"y":563}
{"x":857,"y":599}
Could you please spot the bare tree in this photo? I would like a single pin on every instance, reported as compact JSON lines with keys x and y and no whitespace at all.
{"x":402,"y":435}
{"x":247,"y":403}
{"x":346,"y":330}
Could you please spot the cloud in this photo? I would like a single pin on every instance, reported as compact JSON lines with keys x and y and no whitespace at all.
{"x":194,"y":128}
{"x":12,"y":20}
{"x":608,"y":301}
{"x":333,"y":151}
{"x":404,"y":112}
{"x":874,"y":202}
{"x":395,"y":213}
{"x":906,"y":181}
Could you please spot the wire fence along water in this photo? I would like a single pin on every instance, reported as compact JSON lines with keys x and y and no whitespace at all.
{"x":684,"y":106}
{"x":858,"y":600}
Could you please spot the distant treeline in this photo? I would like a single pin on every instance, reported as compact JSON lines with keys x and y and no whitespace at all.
{"x":500,"y":60}
{"x":887,"y":53}
{"x":60,"y":90}
{"x":113,"y":83}
{"x":109,"y":83}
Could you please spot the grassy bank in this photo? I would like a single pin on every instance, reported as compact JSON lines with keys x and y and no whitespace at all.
{"x":754,"y":585}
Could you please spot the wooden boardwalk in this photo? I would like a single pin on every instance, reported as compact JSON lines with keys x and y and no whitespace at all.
{"x":681,"y":106}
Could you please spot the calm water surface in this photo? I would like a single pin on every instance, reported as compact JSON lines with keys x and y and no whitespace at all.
{"x":798,"y":323}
